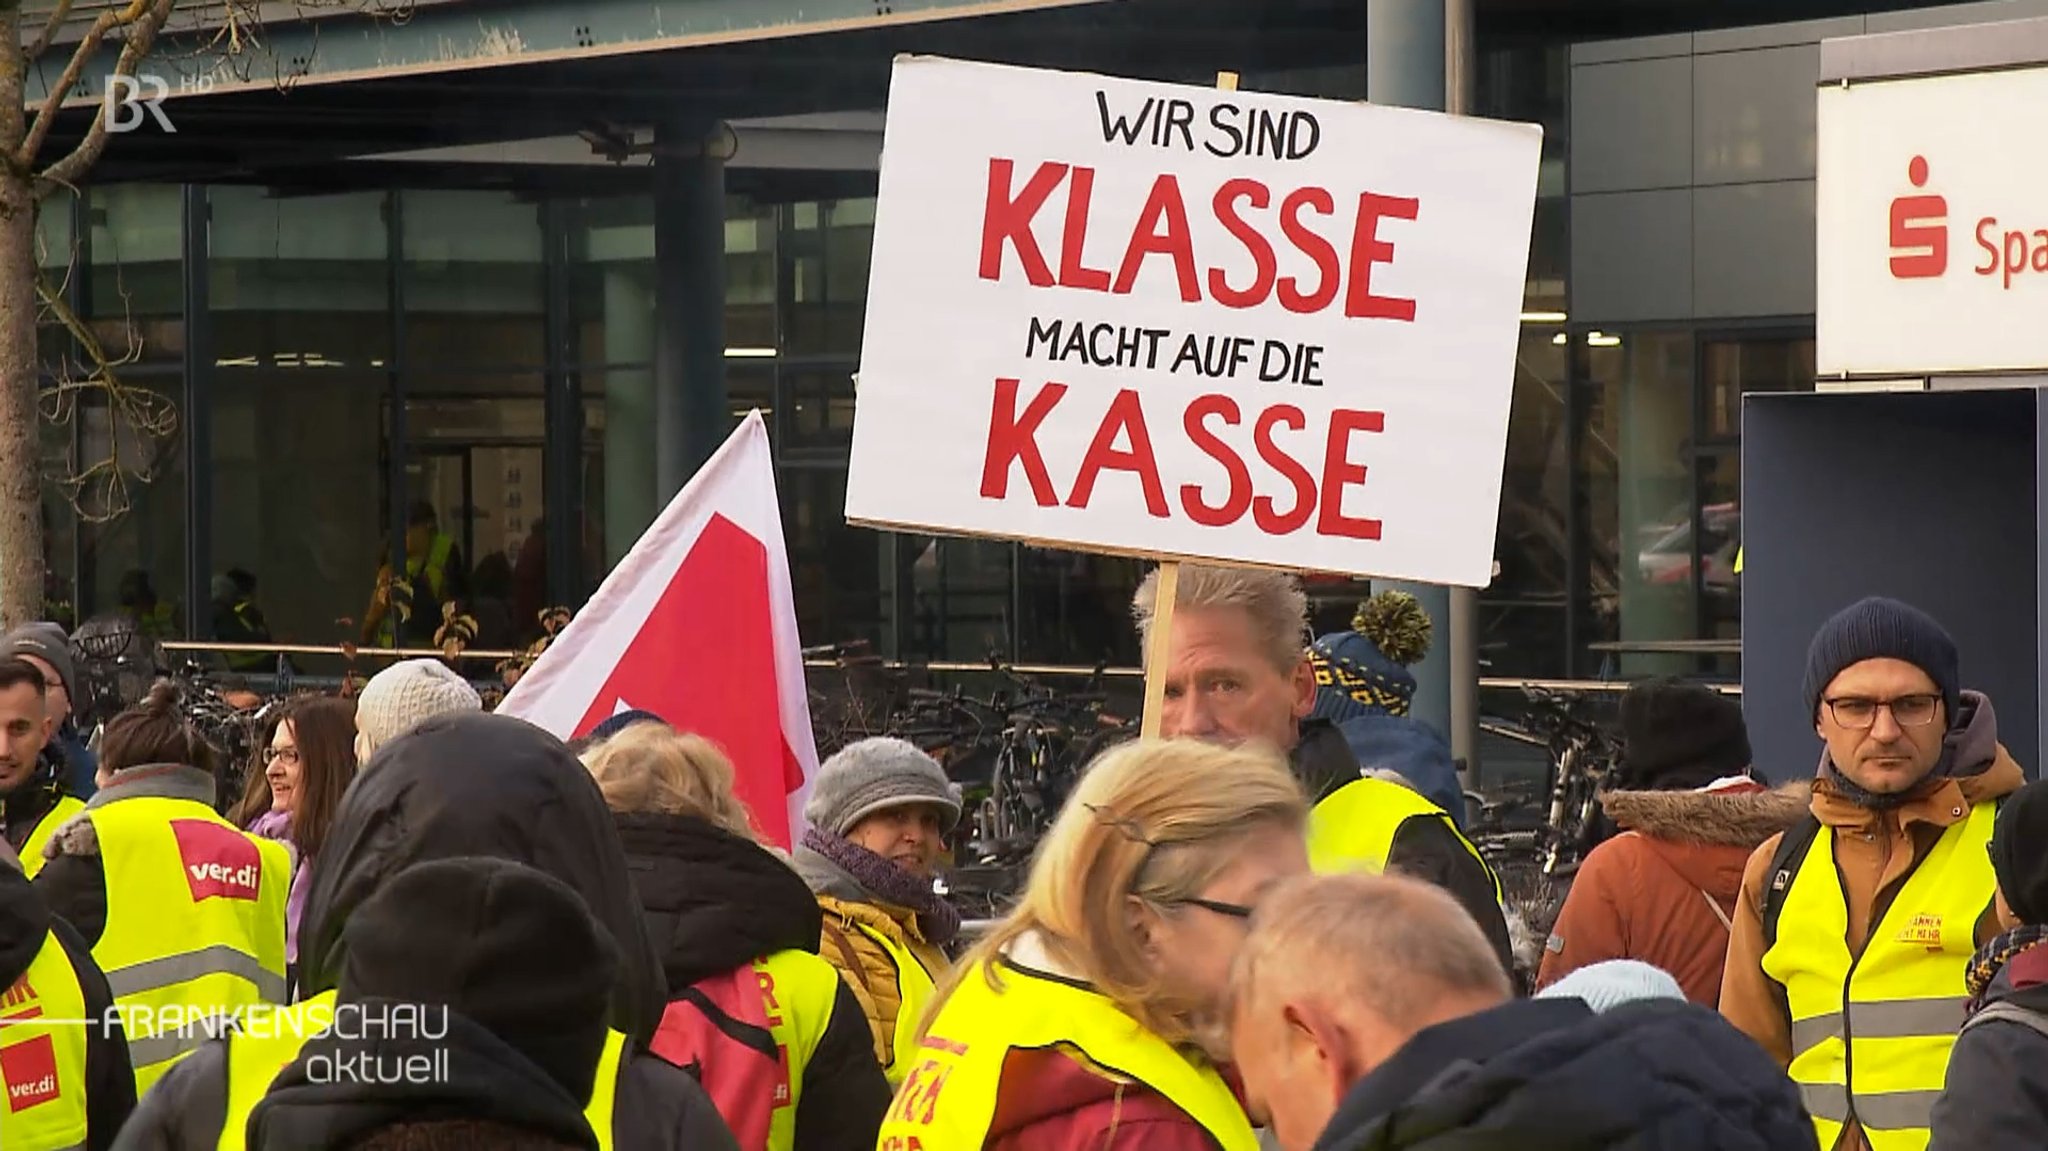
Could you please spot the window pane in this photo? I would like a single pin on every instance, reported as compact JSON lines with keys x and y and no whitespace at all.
{"x":137,"y":555}
{"x":1733,"y":369}
{"x":1639,"y":495}
{"x":827,"y":266}
{"x":1521,"y":614}
{"x":958,"y":596}
{"x":1075,"y":607}
{"x":820,"y":401}
{"x":136,"y":292}
{"x":478,"y":463}
{"x":837,"y":571}
{"x":474,"y":285}
{"x":300,"y":316}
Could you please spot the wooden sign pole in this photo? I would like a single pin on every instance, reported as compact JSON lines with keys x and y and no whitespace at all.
{"x":1161,"y":647}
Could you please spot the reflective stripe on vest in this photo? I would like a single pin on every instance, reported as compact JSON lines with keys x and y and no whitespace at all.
{"x":1353,"y":828}
{"x":949,"y":1098}
{"x":914,"y":990}
{"x":32,"y":860}
{"x":771,"y":1015}
{"x":42,"y":1064}
{"x":254,"y":1060}
{"x":1871,"y":1035}
{"x":195,"y":924}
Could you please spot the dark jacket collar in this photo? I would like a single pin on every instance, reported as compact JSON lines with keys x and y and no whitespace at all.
{"x":713,"y":900}
{"x":1322,"y":759}
{"x":1469,"y":1041}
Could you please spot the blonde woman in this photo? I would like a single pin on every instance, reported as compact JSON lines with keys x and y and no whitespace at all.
{"x":738,"y":934}
{"x":1091,"y":1016}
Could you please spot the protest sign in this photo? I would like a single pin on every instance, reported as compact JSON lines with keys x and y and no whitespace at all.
{"x":1195,"y":323}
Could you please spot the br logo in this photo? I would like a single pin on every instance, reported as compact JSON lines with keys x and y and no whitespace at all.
{"x":1919,"y":229}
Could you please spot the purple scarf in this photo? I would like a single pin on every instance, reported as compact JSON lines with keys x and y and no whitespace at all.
{"x":277,"y":825}
{"x":937,"y":919}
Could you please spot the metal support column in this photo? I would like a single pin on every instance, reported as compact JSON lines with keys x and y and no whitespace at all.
{"x":1404,"y":52}
{"x":690,"y":413}
{"x":396,"y":441}
{"x":1460,"y":74}
{"x":198,"y":414}
{"x":562,"y":452}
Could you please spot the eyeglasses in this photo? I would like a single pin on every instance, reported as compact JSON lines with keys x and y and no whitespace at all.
{"x":1907,"y":710}
{"x":1233,"y":910}
{"x":290,"y":756}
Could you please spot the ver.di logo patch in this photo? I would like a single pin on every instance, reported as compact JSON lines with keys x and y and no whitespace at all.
{"x":220,"y":862}
{"x":29,"y":1069}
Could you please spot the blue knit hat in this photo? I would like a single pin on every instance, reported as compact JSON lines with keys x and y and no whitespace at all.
{"x":1880,"y":628}
{"x":1366,"y":669}
{"x":1607,"y":985}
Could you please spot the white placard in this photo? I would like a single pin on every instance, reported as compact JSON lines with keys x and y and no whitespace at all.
{"x":1180,"y":321}
{"x":1932,"y":220}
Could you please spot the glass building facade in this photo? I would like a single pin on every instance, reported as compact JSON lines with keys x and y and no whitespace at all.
{"x":490,"y":351}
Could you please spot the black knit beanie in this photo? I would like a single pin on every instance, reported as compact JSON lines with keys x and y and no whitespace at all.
{"x":2019,"y":853}
{"x":1880,"y":628}
{"x":507,"y":946}
{"x":1677,"y":736}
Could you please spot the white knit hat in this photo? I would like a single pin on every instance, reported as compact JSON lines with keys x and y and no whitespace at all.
{"x":405,"y":695}
{"x":1611,"y":983}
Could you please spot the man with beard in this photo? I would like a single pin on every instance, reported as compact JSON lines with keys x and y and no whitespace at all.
{"x":1853,"y":936}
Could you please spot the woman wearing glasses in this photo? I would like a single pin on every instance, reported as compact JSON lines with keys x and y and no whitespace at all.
{"x":1091,"y":1016}
{"x":305,"y":766}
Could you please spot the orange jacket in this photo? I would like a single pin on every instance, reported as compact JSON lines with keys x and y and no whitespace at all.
{"x":1875,"y":851}
{"x":1662,"y":891}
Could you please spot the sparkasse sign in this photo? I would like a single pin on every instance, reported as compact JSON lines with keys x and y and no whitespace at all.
{"x":1932,"y":225}
{"x":1188,"y":322}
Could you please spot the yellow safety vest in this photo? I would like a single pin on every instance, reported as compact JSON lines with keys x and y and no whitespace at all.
{"x":1871,"y":1034}
{"x":32,"y":860}
{"x":42,"y":1055}
{"x":195,"y":924}
{"x":949,"y":1098}
{"x":255,"y":1057}
{"x":433,"y":567}
{"x":1353,"y":828}
{"x":914,"y":990}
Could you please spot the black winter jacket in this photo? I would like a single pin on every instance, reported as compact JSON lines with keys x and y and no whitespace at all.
{"x":470,"y":785}
{"x":1651,"y":1076}
{"x":1997,"y":1093}
{"x":1425,"y":849}
{"x":715,"y":901}
{"x":25,"y":922}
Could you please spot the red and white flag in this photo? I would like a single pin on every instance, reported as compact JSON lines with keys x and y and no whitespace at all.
{"x":698,"y":625}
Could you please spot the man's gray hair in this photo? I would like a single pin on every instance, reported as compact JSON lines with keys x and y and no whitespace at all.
{"x":1274,"y":600}
{"x":1392,"y":945}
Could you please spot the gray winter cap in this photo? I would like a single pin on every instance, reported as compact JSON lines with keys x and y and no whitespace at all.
{"x":873,"y":775}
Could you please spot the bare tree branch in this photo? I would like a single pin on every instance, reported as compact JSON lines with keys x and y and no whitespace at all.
{"x":141,"y":19}
{"x":41,"y":43}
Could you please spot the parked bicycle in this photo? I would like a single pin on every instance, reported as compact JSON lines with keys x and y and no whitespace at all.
{"x":1535,"y":842}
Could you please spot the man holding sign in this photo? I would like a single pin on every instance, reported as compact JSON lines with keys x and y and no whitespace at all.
{"x":1237,"y":671}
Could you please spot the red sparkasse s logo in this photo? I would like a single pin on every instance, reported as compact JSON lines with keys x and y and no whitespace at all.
{"x":30,"y":1070}
{"x":220,"y":862}
{"x":1919,"y":229}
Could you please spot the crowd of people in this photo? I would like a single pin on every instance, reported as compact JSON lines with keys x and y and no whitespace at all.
{"x":425,"y":926}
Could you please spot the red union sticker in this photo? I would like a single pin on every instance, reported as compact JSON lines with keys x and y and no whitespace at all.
{"x":30,"y":1071}
{"x":220,"y":862}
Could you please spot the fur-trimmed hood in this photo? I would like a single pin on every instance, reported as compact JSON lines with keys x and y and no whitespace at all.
{"x":1742,"y":818}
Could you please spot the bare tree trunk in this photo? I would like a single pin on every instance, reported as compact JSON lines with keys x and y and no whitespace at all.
{"x":21,"y":523}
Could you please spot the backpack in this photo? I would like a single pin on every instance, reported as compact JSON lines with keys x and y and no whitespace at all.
{"x":718,"y":1030}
